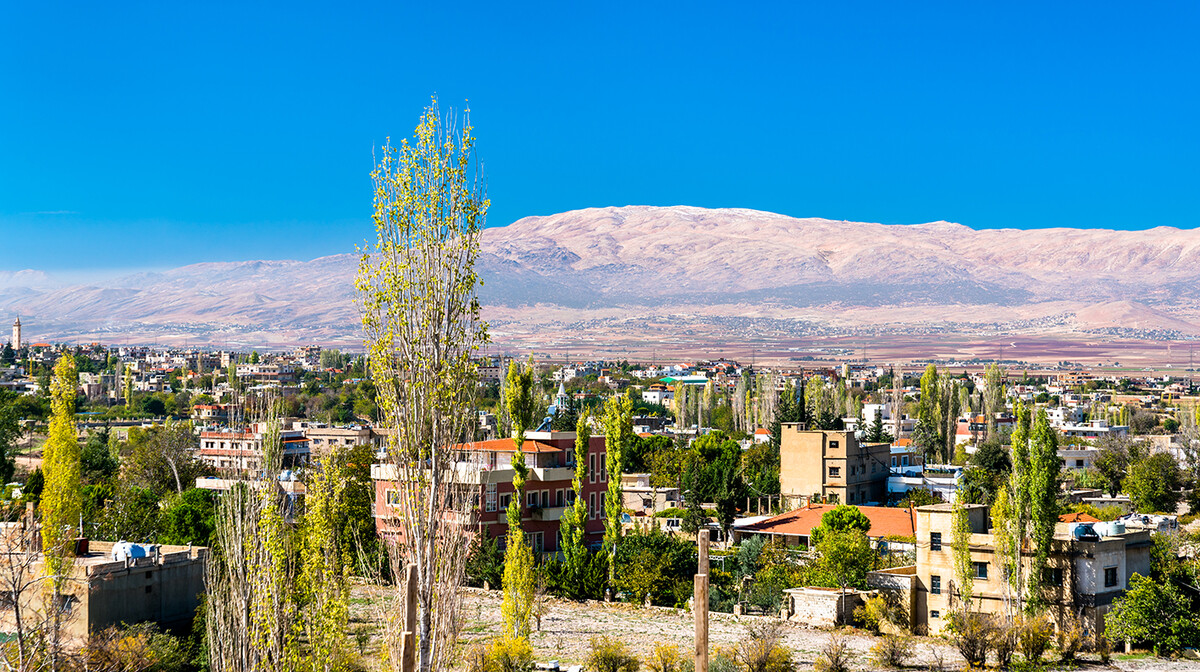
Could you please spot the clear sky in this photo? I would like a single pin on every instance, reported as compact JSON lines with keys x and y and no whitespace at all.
{"x":164,"y":133}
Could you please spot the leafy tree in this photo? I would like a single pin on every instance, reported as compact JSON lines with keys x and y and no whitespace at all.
{"x":163,"y":458}
{"x":919,"y":497}
{"x":976,"y":486}
{"x":846,"y":556}
{"x":133,"y":515}
{"x":574,"y":519}
{"x":61,"y":498}
{"x":519,"y":585}
{"x":760,"y":469}
{"x":994,"y":458}
{"x":618,"y":429}
{"x":485,"y":562}
{"x":189,"y":518}
{"x":97,"y":461}
{"x":8,"y":356}
{"x":655,"y":563}
{"x":876,"y":433}
{"x":1043,"y":490}
{"x":1154,"y":613}
{"x":10,"y":433}
{"x":254,"y":357}
{"x":841,"y":518}
{"x":1154,"y":483}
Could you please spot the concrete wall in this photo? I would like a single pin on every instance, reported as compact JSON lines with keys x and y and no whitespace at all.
{"x":823,"y":607}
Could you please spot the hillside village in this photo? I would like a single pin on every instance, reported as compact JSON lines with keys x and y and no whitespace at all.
{"x":835,"y":494}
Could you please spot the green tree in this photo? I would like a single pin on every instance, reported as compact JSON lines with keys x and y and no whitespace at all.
{"x":1154,"y":484}
{"x":841,"y":518}
{"x":519,"y":585}
{"x":929,"y":414}
{"x":189,"y":518}
{"x":61,"y":500}
{"x":847,"y":557}
{"x":323,"y":586}
{"x":254,"y":357}
{"x":574,"y":518}
{"x":1044,"y":467}
{"x":961,"y":546}
{"x":1157,"y":614}
{"x":618,"y":434}
{"x":8,"y":356}
{"x":128,"y":388}
{"x":10,"y":433}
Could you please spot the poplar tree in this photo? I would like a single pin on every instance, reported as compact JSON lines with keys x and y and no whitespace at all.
{"x":61,"y":497}
{"x":618,"y":435}
{"x":1044,"y":468}
{"x":519,"y":584}
{"x":575,"y":553}
{"x":964,"y":568}
{"x":423,"y":328}
{"x":1013,"y":521}
{"x":323,"y":584}
{"x":128,"y":387}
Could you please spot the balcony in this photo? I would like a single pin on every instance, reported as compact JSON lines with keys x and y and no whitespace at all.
{"x":550,"y":474}
{"x":548,"y":514}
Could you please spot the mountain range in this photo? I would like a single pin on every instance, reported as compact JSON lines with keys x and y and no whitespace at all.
{"x":635,"y":265}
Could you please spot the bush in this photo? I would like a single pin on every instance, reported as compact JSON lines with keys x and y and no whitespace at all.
{"x":1069,"y":639}
{"x":881,"y":611}
{"x":892,"y":651}
{"x":761,"y":649}
{"x":834,"y":656}
{"x":1004,"y":642}
{"x":611,"y":655}
{"x":666,"y":658}
{"x":1033,"y":637}
{"x":722,"y":661}
{"x":508,"y":654}
{"x":972,"y":635}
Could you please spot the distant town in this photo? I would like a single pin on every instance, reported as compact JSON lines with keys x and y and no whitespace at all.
{"x":771,"y":466}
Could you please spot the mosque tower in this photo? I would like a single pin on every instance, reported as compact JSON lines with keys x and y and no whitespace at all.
{"x":16,"y":339}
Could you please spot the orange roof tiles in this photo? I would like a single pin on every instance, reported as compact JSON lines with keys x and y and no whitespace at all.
{"x":885,"y":521}
{"x":506,"y":446}
{"x":1077,"y":518}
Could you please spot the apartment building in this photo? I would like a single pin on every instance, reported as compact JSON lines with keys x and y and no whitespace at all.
{"x":486,"y":468}
{"x":832,"y":466}
{"x":1090,"y":565}
{"x":239,"y":451}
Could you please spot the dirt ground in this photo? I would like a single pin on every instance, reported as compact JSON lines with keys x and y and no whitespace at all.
{"x":568,"y":626}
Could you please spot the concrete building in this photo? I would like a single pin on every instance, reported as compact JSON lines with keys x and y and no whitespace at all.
{"x":106,"y":590}
{"x":239,"y":451}
{"x":322,"y":438}
{"x":832,"y":466}
{"x":643,"y":498}
{"x":1089,"y":566}
{"x":794,"y":528}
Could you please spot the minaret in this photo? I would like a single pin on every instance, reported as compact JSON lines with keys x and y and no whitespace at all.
{"x":16,"y":339}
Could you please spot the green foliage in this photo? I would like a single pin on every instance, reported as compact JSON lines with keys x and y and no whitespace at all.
{"x":883,"y":612}
{"x":61,"y":499}
{"x":919,"y":497}
{"x":668,"y":658}
{"x":963,"y":567}
{"x":761,"y":649}
{"x":609,"y":654}
{"x":97,"y":462}
{"x":189,"y":518}
{"x":518,"y":580}
{"x":845,"y":558}
{"x":893,"y":651}
{"x":485,"y":562}
{"x":841,"y":518}
{"x":1043,"y":490}
{"x":653,"y":563}
{"x":10,"y":433}
{"x":1154,"y":614}
{"x":749,"y":553}
{"x":618,"y":431}
{"x":760,"y":469}
{"x":507,"y":654}
{"x":1034,"y":634}
{"x":1154,"y":484}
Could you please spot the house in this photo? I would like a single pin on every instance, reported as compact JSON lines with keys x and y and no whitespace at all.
{"x":795,"y":527}
{"x":162,"y":585}
{"x":239,"y":451}
{"x":831,"y":466}
{"x":486,"y":468}
{"x":762,"y":435}
{"x":1089,"y":566}
{"x":658,"y":393}
{"x":643,"y":498}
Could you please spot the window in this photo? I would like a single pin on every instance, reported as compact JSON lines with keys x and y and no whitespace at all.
{"x":531,"y":499}
{"x":603,"y":467}
{"x":1079,"y":464}
{"x":1110,"y":577}
{"x":935,"y":541}
{"x":545,"y":499}
{"x":833,"y":445}
{"x":852,"y":498}
{"x":592,"y":506}
{"x":392,"y":497}
{"x":1052,"y":576}
{"x":505,"y":500}
{"x":559,"y":498}
{"x":935,"y":614}
{"x":592,"y":468}
{"x":835,"y":472}
{"x":935,"y":584}
{"x":537,"y":542}
{"x":981,"y":570}
{"x":893,"y":461}
{"x":491,"y":505}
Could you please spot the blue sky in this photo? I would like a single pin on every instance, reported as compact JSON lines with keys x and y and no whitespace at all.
{"x":158,"y":134}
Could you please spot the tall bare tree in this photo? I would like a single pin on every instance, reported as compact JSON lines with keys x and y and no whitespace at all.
{"x":423,"y":327}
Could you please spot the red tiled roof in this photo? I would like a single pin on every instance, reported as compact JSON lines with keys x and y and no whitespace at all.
{"x":506,"y":446}
{"x":1077,"y":518}
{"x":886,"y":521}
{"x":761,"y":430}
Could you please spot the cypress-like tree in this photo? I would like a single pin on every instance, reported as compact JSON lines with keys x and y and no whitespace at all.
{"x":61,"y":496}
{"x":1044,"y":467}
{"x":575,"y":553}
{"x":519,"y":584}
{"x":618,"y":434}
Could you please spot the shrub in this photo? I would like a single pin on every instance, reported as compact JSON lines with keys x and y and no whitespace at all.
{"x":1004,"y":642}
{"x":1033,"y":637}
{"x":666,"y":658}
{"x":761,"y":651}
{"x":972,"y":635}
{"x":1070,"y":638}
{"x":722,"y":661}
{"x":611,"y":655}
{"x":509,"y":654}
{"x":892,"y":651}
{"x":881,"y":611}
{"x":834,"y":656}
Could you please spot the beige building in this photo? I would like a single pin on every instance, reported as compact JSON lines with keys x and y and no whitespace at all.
{"x":162,"y":588}
{"x":1086,"y":572}
{"x":323,"y":438}
{"x":831,"y":466}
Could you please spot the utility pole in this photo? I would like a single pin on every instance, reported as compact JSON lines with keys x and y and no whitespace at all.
{"x":700,"y":608}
